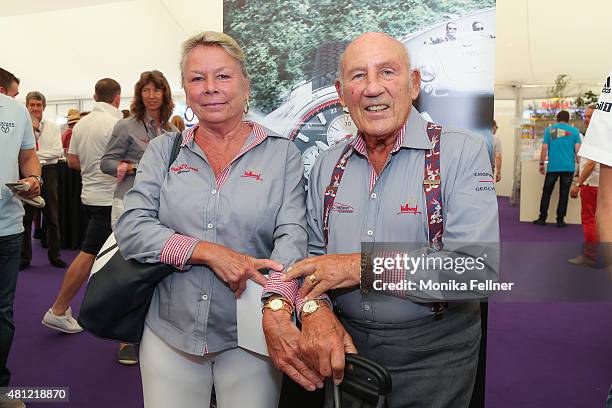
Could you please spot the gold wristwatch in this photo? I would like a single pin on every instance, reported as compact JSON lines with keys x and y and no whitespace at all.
{"x":278,"y":303}
{"x":312,"y":306}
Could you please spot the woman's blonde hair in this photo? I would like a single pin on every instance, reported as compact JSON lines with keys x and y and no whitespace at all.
{"x":214,"y":39}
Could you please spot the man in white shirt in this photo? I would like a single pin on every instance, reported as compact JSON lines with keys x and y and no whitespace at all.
{"x":89,"y":139}
{"x":48,"y":149}
{"x":587,"y":185}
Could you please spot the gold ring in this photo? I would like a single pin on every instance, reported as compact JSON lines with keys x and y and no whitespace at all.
{"x":312,"y":278}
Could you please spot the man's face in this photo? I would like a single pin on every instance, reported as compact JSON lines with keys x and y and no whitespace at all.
{"x":12,"y":90}
{"x":377,"y":85}
{"x":588,"y":114}
{"x":36,"y":108}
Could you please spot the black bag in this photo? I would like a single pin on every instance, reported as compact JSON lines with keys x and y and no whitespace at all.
{"x":118,"y":295}
{"x":366,"y":384}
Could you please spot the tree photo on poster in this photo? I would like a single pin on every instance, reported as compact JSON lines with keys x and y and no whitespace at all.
{"x":292,"y":49}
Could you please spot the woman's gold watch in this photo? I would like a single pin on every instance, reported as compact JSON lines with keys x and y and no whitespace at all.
{"x":278,"y":303}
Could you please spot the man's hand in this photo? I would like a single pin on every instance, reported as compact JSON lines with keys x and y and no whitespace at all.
{"x":574,"y":191}
{"x":34,"y":190}
{"x":324,"y":342}
{"x":282,"y":338}
{"x":542,"y":169}
{"x":232,"y":267}
{"x":498,"y":177}
{"x":330,"y":272}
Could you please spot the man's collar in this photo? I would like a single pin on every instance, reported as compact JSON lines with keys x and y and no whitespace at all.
{"x":413,"y":135}
{"x":108,"y":108}
{"x":416,"y":131}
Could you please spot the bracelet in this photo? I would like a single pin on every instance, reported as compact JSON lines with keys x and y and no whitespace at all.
{"x":366,"y":273}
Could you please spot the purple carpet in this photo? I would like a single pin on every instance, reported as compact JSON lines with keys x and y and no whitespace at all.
{"x":540,"y":354}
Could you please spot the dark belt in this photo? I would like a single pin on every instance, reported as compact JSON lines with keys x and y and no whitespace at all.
{"x":436,"y":307}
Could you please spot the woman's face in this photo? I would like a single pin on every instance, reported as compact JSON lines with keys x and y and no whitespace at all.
{"x":152,"y":97}
{"x":214,"y":86}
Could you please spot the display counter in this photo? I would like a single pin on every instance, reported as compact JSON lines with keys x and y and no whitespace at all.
{"x":531,"y":193}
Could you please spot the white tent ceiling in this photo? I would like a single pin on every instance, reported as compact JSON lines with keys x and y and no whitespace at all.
{"x":61,"y":47}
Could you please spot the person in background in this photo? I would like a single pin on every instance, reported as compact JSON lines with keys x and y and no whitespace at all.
{"x":126,"y":113}
{"x":231,"y":203}
{"x":49,"y":150}
{"x":497,"y":154}
{"x":150,"y":113}
{"x":17,"y":155}
{"x":597,"y":146}
{"x":73,"y":117}
{"x":89,"y":139}
{"x":177,"y":121}
{"x":9,"y":83}
{"x":587,"y":186}
{"x":561,"y":143}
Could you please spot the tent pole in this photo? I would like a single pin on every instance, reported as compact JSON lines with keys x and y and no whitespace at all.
{"x":515,"y":197}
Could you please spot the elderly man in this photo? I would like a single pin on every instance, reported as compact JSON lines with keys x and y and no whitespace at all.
{"x":388,"y":181}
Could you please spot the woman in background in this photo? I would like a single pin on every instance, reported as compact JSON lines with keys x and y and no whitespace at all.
{"x":150,"y":113}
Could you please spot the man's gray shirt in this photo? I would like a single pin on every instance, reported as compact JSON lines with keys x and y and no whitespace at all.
{"x":258,"y":211}
{"x":359,"y":215}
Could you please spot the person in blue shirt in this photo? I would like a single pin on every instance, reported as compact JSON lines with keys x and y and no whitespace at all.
{"x":561,"y":143}
{"x":17,"y":155}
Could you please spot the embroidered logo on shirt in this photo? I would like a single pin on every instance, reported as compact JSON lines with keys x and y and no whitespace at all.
{"x":342,"y":208}
{"x":485,"y":182}
{"x":410,"y":207}
{"x":6,"y":126}
{"x":252,"y":174}
{"x":183,"y":168}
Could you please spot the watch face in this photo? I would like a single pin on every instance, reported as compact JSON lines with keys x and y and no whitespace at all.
{"x":310,"y":306}
{"x":276,"y":304}
{"x":321,"y":127}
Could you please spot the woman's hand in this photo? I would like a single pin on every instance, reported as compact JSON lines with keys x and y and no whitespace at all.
{"x":232,"y":267}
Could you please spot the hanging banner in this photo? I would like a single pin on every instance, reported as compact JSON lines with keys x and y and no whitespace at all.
{"x":293,"y":47}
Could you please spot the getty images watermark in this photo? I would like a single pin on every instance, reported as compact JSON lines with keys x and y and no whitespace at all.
{"x":454,"y":272}
{"x":403,"y":264}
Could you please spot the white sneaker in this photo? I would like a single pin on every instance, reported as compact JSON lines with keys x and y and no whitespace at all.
{"x":65,"y":323}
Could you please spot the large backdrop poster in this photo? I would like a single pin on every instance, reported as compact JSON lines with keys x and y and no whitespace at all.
{"x":293,"y":47}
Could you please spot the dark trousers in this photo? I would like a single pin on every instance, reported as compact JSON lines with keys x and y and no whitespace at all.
{"x":9,"y":265}
{"x":432,"y":362}
{"x":565,"y":184}
{"x":50,"y":214}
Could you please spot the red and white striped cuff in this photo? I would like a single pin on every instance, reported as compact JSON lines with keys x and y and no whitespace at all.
{"x":277,"y":286}
{"x":177,"y":250}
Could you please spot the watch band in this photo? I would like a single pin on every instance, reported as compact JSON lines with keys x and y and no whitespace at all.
{"x":40,"y":180}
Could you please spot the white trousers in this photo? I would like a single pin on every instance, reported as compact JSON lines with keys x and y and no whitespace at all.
{"x":172,"y":378}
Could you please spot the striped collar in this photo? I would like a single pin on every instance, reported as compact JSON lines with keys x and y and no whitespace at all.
{"x":256,"y":128}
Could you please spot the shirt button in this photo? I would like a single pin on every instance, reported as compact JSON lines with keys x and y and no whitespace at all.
{"x":373,"y":195}
{"x":204,"y":297}
{"x":213,"y":192}
{"x":366,"y":307}
{"x":210,"y":226}
{"x":370,"y":233}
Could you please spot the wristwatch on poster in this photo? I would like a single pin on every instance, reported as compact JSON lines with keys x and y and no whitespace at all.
{"x":312,"y":115}
{"x":278,"y":303}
